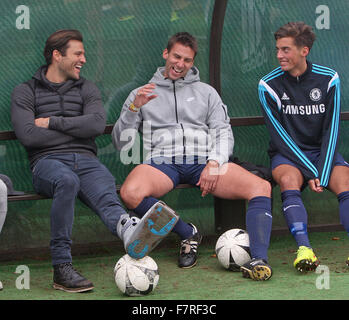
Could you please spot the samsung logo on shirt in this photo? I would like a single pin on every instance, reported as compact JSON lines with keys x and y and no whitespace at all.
{"x":304,"y":110}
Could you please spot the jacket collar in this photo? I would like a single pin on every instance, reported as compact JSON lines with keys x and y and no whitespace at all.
{"x":40,"y":76}
{"x":159,"y":79}
{"x":302,"y":76}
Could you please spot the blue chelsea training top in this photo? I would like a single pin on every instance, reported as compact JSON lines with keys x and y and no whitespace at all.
{"x":302,"y":113}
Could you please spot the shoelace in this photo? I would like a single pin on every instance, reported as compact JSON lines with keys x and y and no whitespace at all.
{"x":188,"y":245}
{"x":69,"y":267}
{"x":131,"y":221}
{"x":306,"y":251}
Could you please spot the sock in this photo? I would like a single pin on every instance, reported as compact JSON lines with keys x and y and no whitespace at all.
{"x":144,"y":206}
{"x":343,"y":199}
{"x":296,"y":216}
{"x":258,"y":225}
{"x":183,"y":229}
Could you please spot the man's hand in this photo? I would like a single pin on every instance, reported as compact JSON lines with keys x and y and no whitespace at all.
{"x":42,"y":122}
{"x":209,"y":178}
{"x":144,"y":95}
{"x":314,"y":185}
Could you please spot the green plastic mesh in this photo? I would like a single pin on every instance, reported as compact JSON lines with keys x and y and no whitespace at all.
{"x":124,"y":40}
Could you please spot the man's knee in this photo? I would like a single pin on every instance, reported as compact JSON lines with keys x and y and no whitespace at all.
{"x":69,"y":182}
{"x":288,"y":177}
{"x":339,"y":181}
{"x":289,"y":181}
{"x":262,"y":188}
{"x":131,"y":195}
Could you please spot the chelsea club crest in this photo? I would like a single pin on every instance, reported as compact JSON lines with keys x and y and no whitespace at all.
{"x":315,"y":94}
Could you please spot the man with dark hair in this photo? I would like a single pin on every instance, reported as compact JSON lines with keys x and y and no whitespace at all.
{"x":301,"y":106}
{"x":189,"y":141}
{"x":56,"y":116}
{"x":184,"y":38}
{"x":302,"y":34}
{"x":59,"y":41}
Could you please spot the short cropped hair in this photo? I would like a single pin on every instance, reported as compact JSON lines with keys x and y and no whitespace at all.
{"x":302,"y":34}
{"x":185,"y":39}
{"x":59,"y":41}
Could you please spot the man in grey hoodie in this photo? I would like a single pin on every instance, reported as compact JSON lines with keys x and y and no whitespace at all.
{"x":187,"y":138}
{"x":56,"y":116}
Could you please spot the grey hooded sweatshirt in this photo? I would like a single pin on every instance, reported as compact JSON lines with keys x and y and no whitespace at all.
{"x":187,"y":117}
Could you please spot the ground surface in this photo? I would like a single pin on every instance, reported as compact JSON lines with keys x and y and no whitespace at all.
{"x":207,"y":281}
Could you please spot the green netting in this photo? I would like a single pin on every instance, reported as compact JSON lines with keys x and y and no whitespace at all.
{"x":124,"y":40}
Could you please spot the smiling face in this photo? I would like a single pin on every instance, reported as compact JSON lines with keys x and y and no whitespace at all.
{"x":291,"y":57}
{"x":69,"y":65}
{"x":179,"y":60}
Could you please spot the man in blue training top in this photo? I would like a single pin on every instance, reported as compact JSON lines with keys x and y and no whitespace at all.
{"x":301,"y":106}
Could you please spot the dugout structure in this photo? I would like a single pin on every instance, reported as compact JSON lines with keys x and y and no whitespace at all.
{"x":124,"y":40}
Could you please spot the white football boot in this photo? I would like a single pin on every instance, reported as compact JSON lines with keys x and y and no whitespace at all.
{"x":140,"y":236}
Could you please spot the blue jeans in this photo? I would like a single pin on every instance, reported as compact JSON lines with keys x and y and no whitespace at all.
{"x":64,"y":177}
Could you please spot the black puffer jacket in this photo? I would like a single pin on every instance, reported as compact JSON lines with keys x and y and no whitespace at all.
{"x":75,"y":110}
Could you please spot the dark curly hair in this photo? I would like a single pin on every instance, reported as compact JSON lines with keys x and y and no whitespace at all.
{"x":302,"y":34}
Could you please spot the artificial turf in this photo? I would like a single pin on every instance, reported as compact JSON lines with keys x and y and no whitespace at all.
{"x":206,"y":281}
